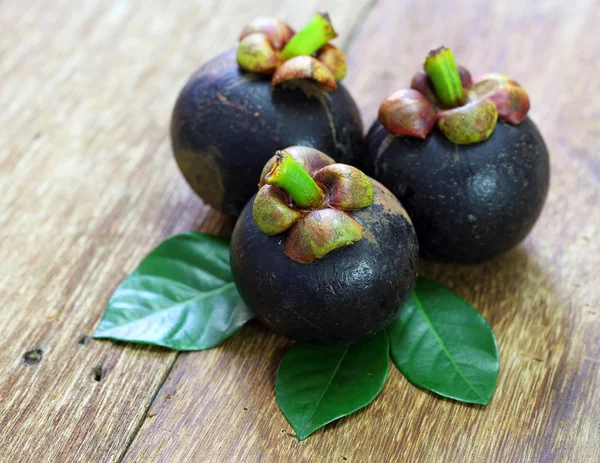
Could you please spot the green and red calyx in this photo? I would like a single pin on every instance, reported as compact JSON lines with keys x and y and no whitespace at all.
{"x":465,"y":110}
{"x":305,"y":193}
{"x":270,"y":46}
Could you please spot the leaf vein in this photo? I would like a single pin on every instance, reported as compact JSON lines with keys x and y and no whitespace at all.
{"x":443,"y":346}
{"x":336,"y":369}
{"x":175,"y":306}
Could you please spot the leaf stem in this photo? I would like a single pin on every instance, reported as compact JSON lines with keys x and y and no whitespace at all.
{"x":441,"y":69}
{"x":313,"y":36}
{"x":286,"y":173}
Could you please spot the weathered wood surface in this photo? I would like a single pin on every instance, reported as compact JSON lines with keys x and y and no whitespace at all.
{"x":88,"y":187}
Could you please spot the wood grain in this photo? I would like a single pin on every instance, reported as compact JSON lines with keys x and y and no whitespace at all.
{"x":541,"y":299}
{"x":89,"y":187}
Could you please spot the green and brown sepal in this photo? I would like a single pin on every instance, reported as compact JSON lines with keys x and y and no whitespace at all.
{"x":305,"y":67}
{"x":270,"y":46}
{"x":334,"y":58}
{"x":458,"y":104}
{"x":347,"y":188}
{"x":272,"y":211}
{"x":510,"y":98}
{"x":319,"y":233}
{"x":256,"y":53}
{"x":306,"y":193}
{"x":407,"y":112}
{"x":470,"y":123}
{"x":277,"y":32}
{"x":422,"y":84}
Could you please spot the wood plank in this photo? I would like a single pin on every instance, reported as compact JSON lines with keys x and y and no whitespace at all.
{"x":542,"y":299}
{"x":88,"y":188}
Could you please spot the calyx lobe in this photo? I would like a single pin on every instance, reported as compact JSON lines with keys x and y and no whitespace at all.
{"x":270,"y":46}
{"x":465,"y":109}
{"x":287,"y":201}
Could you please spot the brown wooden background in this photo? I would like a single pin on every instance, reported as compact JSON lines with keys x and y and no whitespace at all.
{"x":88,"y":187}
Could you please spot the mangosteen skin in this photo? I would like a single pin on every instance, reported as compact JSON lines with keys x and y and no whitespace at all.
{"x":468,"y":203}
{"x":227,"y":123}
{"x":344,"y":296}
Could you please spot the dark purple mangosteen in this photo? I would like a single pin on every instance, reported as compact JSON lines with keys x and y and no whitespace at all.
{"x":279,"y":88}
{"x":322,"y":253}
{"x":469,"y":166}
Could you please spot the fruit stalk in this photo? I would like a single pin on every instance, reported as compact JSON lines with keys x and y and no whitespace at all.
{"x":441,"y":69}
{"x":311,"y":38}
{"x":286,"y":173}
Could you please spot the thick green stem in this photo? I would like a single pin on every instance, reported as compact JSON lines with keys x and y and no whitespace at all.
{"x":441,"y":69}
{"x":313,"y":36}
{"x":291,"y":176}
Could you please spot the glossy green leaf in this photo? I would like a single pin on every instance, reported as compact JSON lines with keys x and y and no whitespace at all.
{"x":181,"y":296}
{"x":441,"y":343}
{"x":317,"y":385}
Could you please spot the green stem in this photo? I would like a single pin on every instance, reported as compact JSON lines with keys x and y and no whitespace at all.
{"x":313,"y":36}
{"x":291,"y":176}
{"x":441,"y":69}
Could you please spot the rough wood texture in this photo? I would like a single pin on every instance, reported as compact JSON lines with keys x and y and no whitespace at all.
{"x":88,"y":187}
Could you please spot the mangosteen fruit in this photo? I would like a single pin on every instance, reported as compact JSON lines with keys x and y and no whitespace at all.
{"x":322,"y":253}
{"x":469,"y":166}
{"x":278,"y":88}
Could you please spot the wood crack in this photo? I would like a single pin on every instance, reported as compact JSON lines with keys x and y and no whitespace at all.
{"x":144,"y":415}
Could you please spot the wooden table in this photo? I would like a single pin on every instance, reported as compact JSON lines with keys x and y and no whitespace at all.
{"x":88,"y":186}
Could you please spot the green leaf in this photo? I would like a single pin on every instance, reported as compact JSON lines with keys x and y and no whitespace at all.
{"x":317,"y":385}
{"x":181,"y":296}
{"x":441,"y":343}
